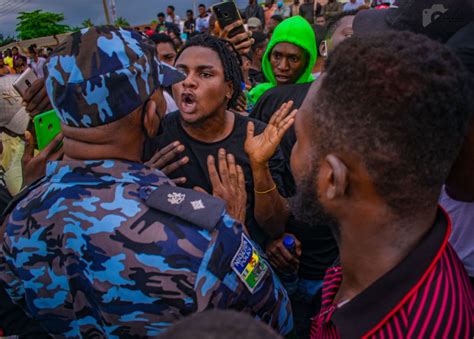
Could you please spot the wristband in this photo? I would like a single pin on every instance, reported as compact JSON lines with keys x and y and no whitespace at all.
{"x":265,"y":192}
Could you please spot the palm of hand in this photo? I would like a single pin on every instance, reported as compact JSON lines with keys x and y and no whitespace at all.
{"x":261,"y":147}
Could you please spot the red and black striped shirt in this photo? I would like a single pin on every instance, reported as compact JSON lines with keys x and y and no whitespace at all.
{"x":427,"y":295}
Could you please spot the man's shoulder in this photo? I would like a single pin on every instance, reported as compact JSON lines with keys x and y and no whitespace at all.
{"x":272,"y":99}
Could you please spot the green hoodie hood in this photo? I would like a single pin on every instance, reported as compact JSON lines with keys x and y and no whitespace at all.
{"x":295,"y":30}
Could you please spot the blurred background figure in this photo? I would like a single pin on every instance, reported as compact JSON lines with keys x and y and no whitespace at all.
{"x":190,"y":24}
{"x":4,"y":68}
{"x":36,"y":62}
{"x":253,"y":10}
{"x":275,"y":20}
{"x":203,"y":20}
{"x":254,"y":25}
{"x":171,"y":16}
{"x":218,"y":324}
{"x":282,"y":10}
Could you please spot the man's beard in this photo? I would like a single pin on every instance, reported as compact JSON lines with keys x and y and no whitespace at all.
{"x":306,"y":206}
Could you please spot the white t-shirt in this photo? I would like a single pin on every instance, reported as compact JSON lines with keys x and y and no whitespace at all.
{"x":170,"y":103}
{"x":351,"y":6}
{"x":202,"y":24}
{"x":37,"y":66}
{"x":176,"y":20}
{"x":462,"y":235}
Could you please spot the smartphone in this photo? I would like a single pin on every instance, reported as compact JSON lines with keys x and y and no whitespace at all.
{"x":226,"y":14}
{"x":25,"y":81}
{"x":47,"y":127}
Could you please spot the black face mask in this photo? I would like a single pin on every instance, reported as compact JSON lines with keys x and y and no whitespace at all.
{"x":149,"y":147}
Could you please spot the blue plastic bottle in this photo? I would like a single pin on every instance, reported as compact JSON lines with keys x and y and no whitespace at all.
{"x":290,"y":279}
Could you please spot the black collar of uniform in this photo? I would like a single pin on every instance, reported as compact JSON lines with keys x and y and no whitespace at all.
{"x":369,"y":308}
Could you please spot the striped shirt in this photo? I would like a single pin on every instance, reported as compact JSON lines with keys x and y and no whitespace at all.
{"x":427,"y":295}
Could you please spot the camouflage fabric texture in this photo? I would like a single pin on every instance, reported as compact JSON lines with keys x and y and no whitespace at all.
{"x":85,"y":257}
{"x":101,"y":74}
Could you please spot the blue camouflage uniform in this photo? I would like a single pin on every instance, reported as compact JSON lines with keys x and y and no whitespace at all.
{"x":84,"y":253}
{"x":112,"y":248}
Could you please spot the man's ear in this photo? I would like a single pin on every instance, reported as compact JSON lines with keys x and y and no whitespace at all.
{"x":323,"y":49}
{"x":151,"y":121}
{"x":336,"y":177}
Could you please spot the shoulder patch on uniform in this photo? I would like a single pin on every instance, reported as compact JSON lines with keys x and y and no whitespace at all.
{"x":248,"y":264}
{"x":198,"y":208}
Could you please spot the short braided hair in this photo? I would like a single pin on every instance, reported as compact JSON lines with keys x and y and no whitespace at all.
{"x":230,"y":59}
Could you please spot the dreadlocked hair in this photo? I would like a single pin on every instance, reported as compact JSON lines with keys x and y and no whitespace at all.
{"x":230,"y":59}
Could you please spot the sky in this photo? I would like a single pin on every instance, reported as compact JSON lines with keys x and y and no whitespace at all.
{"x":76,"y":11}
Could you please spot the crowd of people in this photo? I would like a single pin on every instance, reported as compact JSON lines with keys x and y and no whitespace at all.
{"x":310,"y":177}
{"x":14,"y":62}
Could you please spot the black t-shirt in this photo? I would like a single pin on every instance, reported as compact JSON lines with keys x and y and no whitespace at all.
{"x":256,"y":77}
{"x":190,"y":28}
{"x":196,"y":170}
{"x":318,"y":243}
{"x":271,"y":100}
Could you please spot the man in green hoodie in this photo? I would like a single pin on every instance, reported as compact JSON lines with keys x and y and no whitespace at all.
{"x":290,"y":56}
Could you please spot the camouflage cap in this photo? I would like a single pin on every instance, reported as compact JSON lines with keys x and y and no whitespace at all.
{"x":101,"y":74}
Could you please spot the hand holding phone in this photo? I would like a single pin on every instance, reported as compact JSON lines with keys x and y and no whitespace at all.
{"x":25,"y":81}
{"x":242,"y":42}
{"x":36,"y":98}
{"x":47,"y":127}
{"x":227,"y":14}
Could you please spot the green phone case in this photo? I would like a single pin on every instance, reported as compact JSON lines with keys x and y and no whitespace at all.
{"x":47,"y":127}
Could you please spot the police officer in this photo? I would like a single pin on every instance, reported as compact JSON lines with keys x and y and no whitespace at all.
{"x":104,"y":245}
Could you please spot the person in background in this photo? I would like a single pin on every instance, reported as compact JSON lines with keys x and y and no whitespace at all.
{"x":17,"y":56}
{"x":339,"y":28}
{"x":318,"y":245}
{"x":371,"y":164}
{"x":4,"y":68}
{"x":282,"y":10}
{"x":254,"y":25}
{"x":275,"y":20}
{"x":166,"y":52}
{"x":205,"y":126}
{"x":246,"y":63}
{"x":35,"y":62}
{"x":295,"y":8}
{"x":352,"y":5}
{"x":307,"y":10}
{"x":331,"y":9}
{"x":254,"y":10}
{"x":269,"y":11}
{"x":140,"y":221}
{"x":320,"y":35}
{"x":162,"y":26}
{"x":203,"y":20}
{"x":8,"y":58}
{"x":189,"y":24}
{"x":20,"y":65}
{"x":457,"y":196}
{"x":14,"y":122}
{"x":289,"y":57}
{"x":176,"y":37}
{"x":171,"y":16}
{"x":258,"y":50}
{"x":149,"y":31}
{"x":321,"y":20}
